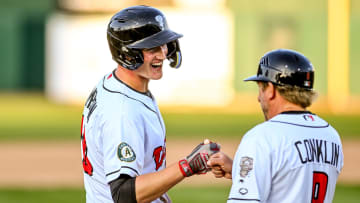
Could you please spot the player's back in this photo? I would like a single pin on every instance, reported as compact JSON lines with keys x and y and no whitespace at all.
{"x":298,"y":159}
{"x":309,"y":160}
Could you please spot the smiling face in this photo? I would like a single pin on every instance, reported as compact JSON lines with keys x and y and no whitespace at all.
{"x":151,"y":69}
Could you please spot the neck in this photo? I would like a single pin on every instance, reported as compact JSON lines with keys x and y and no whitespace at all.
{"x":130,"y":78}
{"x":282,"y":105}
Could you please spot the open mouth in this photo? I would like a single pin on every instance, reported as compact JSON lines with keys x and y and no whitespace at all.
{"x":156,"y":65}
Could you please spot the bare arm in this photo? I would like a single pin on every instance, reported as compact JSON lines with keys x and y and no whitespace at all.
{"x":152,"y":185}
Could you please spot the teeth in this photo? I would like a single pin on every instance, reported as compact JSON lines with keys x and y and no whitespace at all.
{"x":157,"y":64}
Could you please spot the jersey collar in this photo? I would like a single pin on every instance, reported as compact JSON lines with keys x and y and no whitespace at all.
{"x":148,"y":93}
{"x":296,"y":112}
{"x":115,"y":85}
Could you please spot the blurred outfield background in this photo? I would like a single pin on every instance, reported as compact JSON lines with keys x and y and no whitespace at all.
{"x":54,"y":51}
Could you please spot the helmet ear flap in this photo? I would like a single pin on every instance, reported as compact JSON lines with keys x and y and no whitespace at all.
{"x":132,"y":59}
{"x":174,"y":54}
{"x":128,"y":58}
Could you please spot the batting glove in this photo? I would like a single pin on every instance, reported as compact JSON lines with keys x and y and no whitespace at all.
{"x":195,"y":163}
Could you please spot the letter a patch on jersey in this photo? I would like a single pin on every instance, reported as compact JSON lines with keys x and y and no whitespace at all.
{"x":126,"y":153}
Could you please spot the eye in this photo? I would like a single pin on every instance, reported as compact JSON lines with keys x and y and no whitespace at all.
{"x":152,"y":50}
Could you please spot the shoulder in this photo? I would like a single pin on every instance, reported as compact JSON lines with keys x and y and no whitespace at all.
{"x":264,"y":135}
{"x":114,"y":100}
{"x":257,"y":134}
{"x":120,"y":108}
{"x":120,"y":97}
{"x":259,"y":130}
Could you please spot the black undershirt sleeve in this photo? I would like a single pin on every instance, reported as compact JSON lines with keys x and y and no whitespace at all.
{"x":123,"y":189}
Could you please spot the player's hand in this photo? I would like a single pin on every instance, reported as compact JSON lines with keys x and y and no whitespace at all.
{"x":195,"y":163}
{"x":221,"y":165}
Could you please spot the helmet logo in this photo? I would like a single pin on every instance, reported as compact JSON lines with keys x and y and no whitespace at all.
{"x":160,"y":20}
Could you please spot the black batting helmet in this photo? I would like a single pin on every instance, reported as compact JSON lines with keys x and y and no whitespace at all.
{"x":141,"y":27}
{"x":285,"y":67}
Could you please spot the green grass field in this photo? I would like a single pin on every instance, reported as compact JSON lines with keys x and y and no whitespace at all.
{"x":343,"y":194}
{"x":32,"y":117}
{"x":29,"y":117}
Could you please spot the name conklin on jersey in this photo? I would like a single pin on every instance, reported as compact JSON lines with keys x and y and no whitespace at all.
{"x":316,"y":151}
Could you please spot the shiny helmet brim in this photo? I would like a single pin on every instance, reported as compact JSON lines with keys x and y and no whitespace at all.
{"x":155,"y":40}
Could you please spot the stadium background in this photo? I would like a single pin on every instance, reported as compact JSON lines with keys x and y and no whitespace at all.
{"x":49,"y":63}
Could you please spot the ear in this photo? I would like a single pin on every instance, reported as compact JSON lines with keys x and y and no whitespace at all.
{"x":271,"y":91}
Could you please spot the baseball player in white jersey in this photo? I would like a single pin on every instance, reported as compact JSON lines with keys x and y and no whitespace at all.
{"x":294,"y":156}
{"x":123,"y":139}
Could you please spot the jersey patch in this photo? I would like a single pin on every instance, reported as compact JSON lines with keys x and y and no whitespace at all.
{"x":246,"y":165}
{"x":309,"y":117}
{"x":126,"y":153}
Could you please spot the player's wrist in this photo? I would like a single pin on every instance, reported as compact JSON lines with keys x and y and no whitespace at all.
{"x":185,"y":168}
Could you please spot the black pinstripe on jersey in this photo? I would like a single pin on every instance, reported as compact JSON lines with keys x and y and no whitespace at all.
{"x":137,"y":173}
{"x":241,"y":199}
{"x":127,"y":96}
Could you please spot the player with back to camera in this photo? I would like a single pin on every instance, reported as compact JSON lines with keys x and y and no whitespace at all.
{"x":294,"y":156}
{"x":122,"y":132}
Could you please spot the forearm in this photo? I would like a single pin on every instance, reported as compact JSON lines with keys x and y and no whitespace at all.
{"x":150,"y":186}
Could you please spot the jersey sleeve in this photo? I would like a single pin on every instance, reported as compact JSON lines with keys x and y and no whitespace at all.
{"x":251,"y":173}
{"x":123,"y":145}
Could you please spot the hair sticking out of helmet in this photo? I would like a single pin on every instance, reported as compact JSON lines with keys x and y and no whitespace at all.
{"x":285,"y":67}
{"x":141,"y":27}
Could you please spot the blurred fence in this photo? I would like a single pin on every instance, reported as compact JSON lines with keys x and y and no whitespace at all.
{"x":228,"y":43}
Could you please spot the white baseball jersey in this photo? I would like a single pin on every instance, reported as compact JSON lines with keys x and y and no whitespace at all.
{"x":293,"y":157}
{"x":122,"y":133}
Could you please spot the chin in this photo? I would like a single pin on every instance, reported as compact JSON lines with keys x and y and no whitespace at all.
{"x":157,"y":77}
